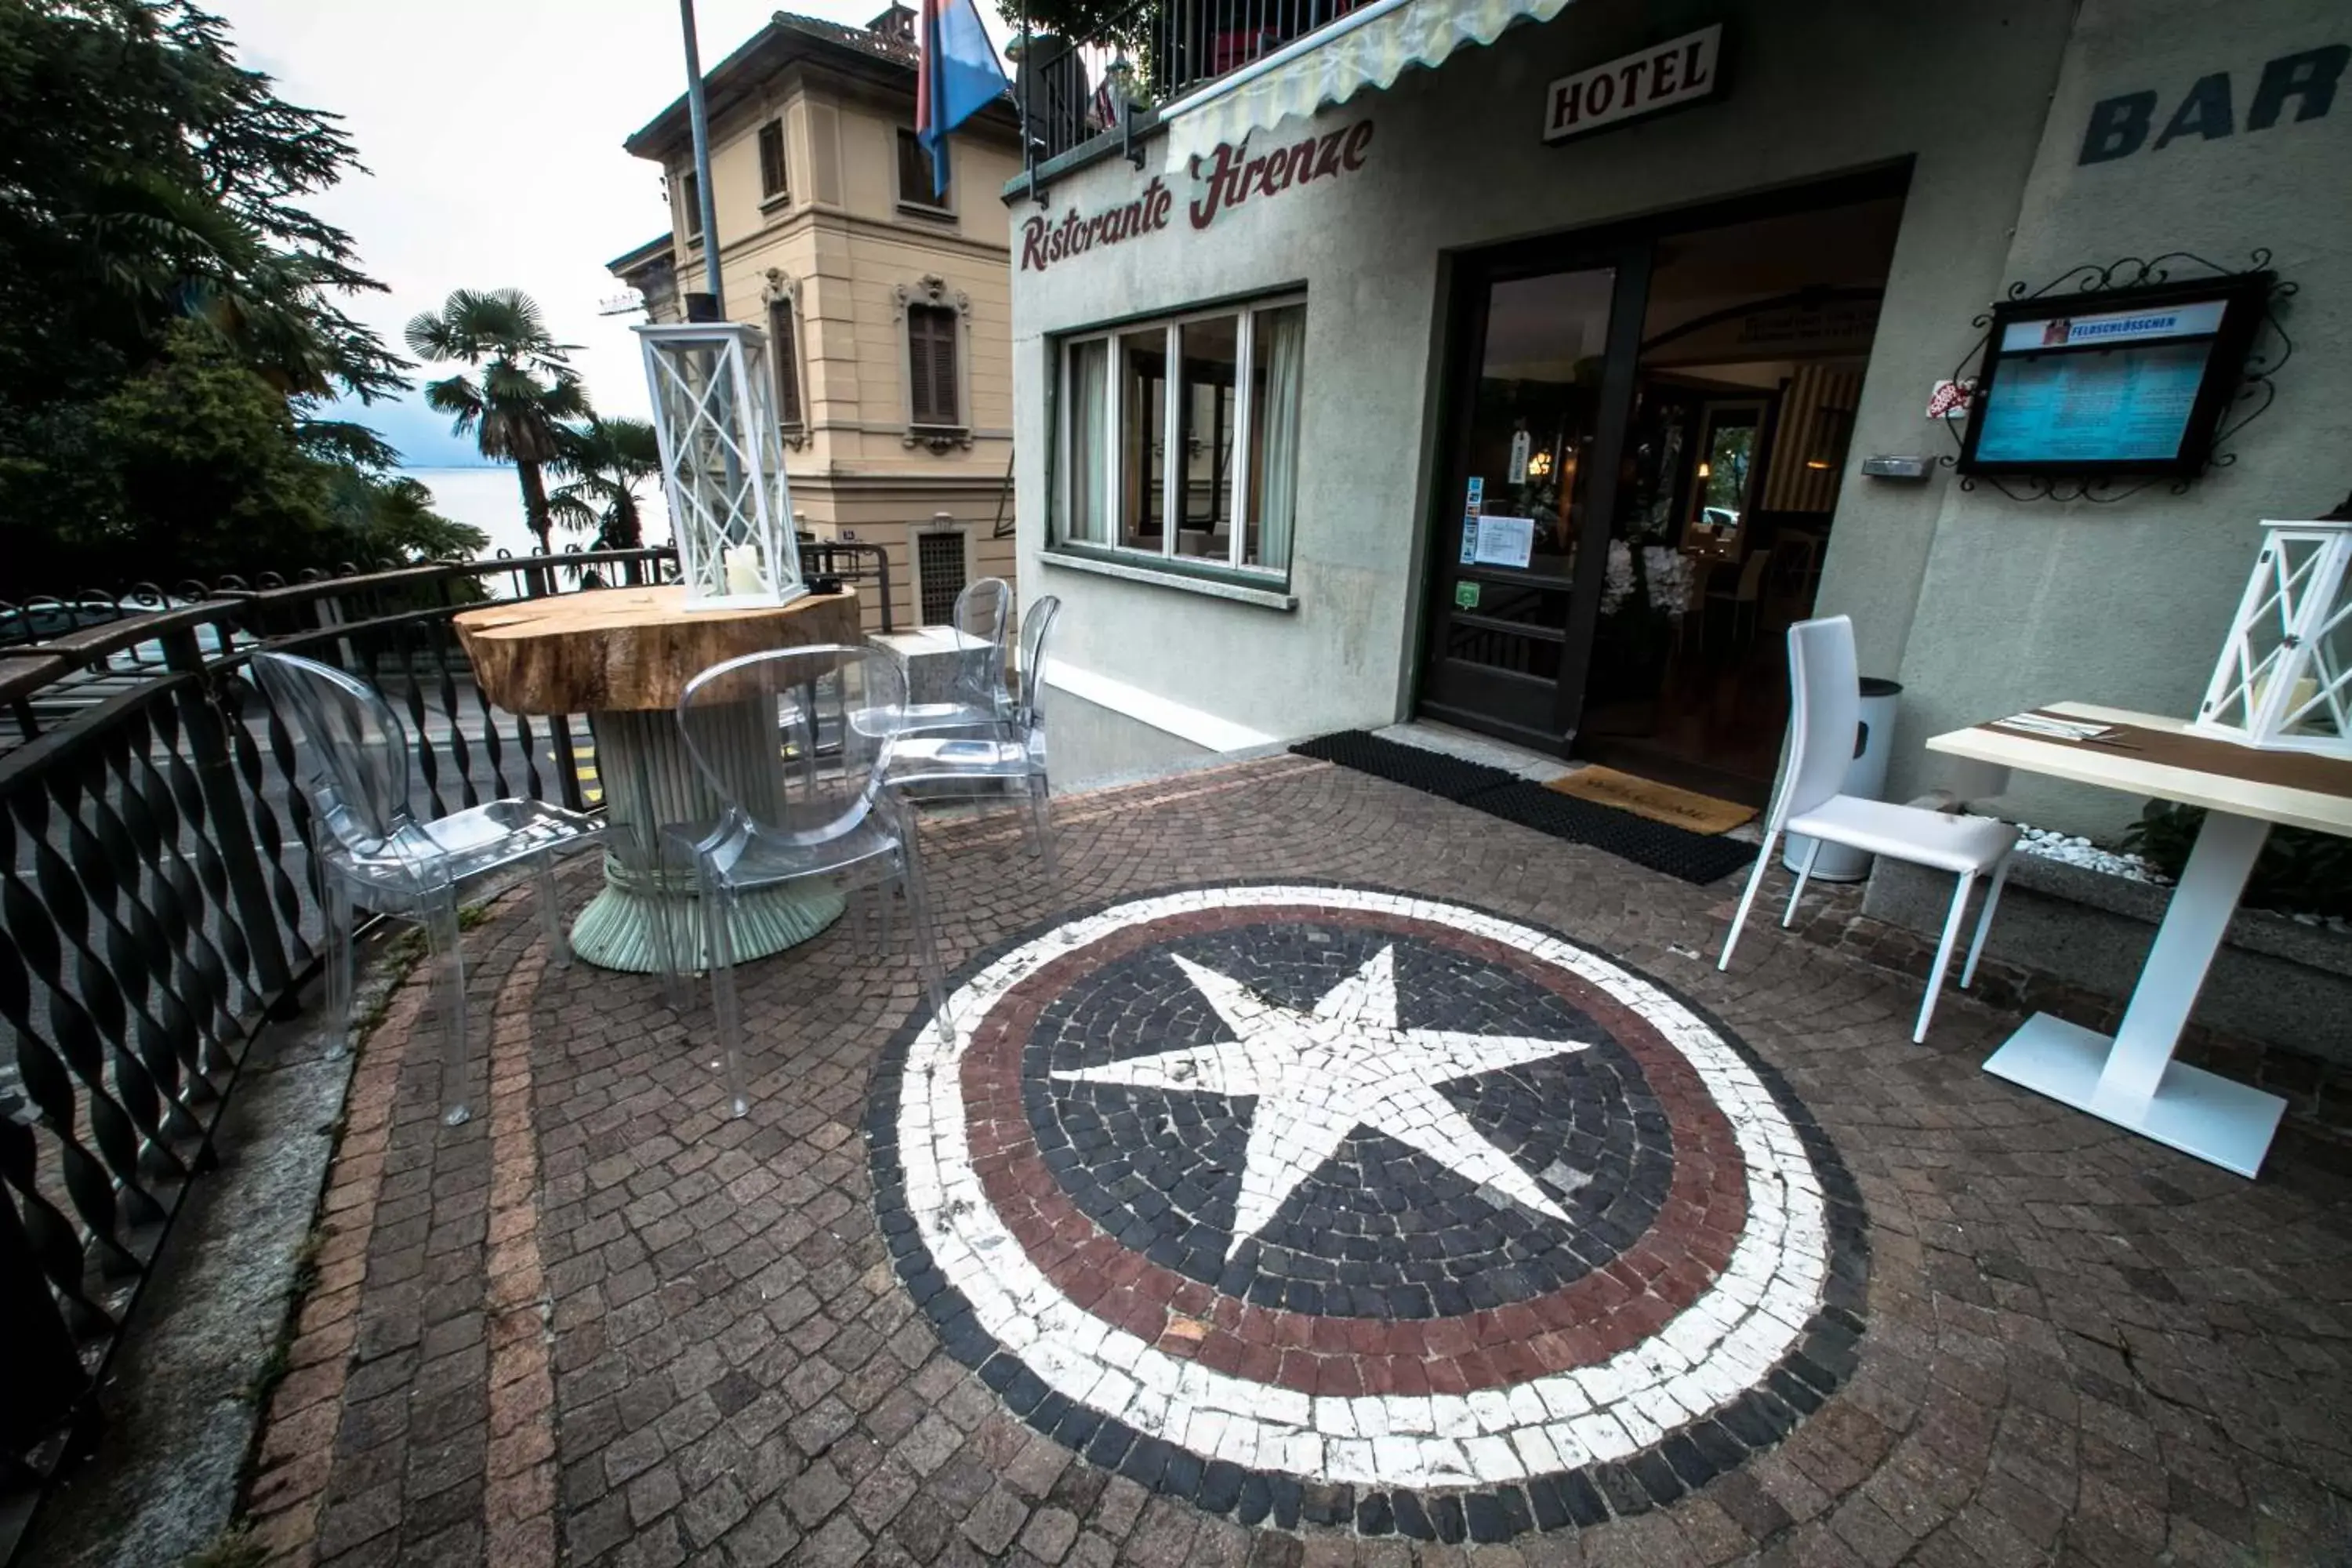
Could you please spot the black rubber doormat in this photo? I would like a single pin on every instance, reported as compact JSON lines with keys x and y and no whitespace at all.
{"x":1432,"y":773}
{"x":1696,"y":857}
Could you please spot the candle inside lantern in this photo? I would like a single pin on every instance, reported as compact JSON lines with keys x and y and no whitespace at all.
{"x":2303,"y":691}
{"x":742,"y":565}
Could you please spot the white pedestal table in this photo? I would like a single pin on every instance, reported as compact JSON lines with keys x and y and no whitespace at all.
{"x":2131,"y":1078}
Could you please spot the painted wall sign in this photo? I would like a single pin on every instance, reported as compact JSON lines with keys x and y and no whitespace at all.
{"x":2119,"y":126}
{"x":1678,"y":72}
{"x":1226,"y":178}
{"x":1233,"y":177}
{"x":1044,"y":240}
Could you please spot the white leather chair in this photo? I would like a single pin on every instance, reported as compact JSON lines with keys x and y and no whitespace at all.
{"x":1824,"y":714}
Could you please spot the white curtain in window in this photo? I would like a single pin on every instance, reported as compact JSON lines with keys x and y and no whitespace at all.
{"x":1089,"y":406}
{"x":1281,"y":345}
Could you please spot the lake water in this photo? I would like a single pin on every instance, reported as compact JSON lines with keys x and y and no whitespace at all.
{"x":491,"y":500}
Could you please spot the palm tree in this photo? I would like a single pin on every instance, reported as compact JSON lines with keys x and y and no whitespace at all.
{"x":605,"y":460}
{"x":527,"y":388}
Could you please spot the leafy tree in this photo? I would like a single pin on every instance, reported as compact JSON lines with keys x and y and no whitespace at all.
{"x":605,"y":460}
{"x":393,"y":519}
{"x":199,"y":469}
{"x":207,"y":473}
{"x":171,"y":316}
{"x":528,"y":389}
{"x":147,"y":179}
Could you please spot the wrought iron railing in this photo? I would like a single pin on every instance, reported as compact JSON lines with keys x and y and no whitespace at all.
{"x":156,"y":908}
{"x":1075,"y":83}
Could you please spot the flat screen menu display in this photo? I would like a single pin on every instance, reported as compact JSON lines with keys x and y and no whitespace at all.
{"x":2135,"y":385}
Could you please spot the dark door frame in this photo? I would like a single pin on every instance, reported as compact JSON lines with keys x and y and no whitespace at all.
{"x":1626,"y":244}
{"x":1630,"y":261}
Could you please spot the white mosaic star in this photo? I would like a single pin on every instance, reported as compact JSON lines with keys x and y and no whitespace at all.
{"x":1318,"y":1076}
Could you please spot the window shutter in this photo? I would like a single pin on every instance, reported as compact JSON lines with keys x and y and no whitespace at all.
{"x":771,"y":157}
{"x":931,"y":364}
{"x":918,"y":363}
{"x":943,"y":366}
{"x":690,"y":188}
{"x":915,"y":175}
{"x":786,"y":351}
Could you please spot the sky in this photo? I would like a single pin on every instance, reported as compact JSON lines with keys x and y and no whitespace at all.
{"x":491,"y":130}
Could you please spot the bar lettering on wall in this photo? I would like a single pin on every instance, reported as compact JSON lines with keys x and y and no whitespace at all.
{"x":2119,"y":124}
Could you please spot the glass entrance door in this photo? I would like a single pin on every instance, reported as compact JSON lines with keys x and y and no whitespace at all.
{"x":1541,"y":377}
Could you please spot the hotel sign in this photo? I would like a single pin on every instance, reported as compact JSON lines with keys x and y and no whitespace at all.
{"x":1665,"y":76}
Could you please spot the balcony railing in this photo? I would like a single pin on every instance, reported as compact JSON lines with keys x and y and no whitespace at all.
{"x":1073,"y":84}
{"x":156,"y":905}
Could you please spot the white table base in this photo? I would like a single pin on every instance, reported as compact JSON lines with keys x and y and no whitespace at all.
{"x":2132,"y":1079}
{"x":2216,"y":1119}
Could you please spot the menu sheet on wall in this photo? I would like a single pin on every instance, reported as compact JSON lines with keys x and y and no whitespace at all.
{"x":2125,"y":406}
{"x":2111,"y":386}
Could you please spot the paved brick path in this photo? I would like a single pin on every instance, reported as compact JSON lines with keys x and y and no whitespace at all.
{"x":600,"y":1323}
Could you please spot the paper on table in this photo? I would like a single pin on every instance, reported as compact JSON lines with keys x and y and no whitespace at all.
{"x":2060,"y":729}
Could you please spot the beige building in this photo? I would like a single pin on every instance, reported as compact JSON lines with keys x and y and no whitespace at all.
{"x":888,"y":309}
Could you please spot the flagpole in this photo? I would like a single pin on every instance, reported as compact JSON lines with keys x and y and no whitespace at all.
{"x":699,"y":117}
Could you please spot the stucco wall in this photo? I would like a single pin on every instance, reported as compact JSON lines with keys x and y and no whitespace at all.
{"x":1456,"y":162}
{"x":2026,"y":601}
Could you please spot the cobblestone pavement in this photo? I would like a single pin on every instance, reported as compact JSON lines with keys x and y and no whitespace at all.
{"x":1521,"y":1250}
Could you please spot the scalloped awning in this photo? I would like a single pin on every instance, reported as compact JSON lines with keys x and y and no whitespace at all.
{"x":1371,"y":47}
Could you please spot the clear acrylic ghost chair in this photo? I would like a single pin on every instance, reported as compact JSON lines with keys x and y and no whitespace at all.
{"x":976,"y":697}
{"x":960,"y":766}
{"x":372,"y":852}
{"x":1824,"y":720}
{"x":789,"y":809}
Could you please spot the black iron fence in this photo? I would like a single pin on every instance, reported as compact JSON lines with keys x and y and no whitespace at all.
{"x":1074,"y":83}
{"x":156,"y":908}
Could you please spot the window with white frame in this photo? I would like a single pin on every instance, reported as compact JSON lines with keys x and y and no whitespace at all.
{"x":1179,"y":438}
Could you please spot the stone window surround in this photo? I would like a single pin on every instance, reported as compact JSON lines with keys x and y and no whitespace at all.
{"x":932,"y":289}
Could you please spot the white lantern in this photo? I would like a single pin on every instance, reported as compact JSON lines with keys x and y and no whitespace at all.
{"x":2284,"y":681}
{"x":722,"y":464}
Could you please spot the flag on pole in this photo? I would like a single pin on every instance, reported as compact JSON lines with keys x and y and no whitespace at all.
{"x":959,"y":76}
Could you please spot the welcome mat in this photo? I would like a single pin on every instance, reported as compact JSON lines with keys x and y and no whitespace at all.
{"x":1658,"y":801}
{"x":1696,"y":857}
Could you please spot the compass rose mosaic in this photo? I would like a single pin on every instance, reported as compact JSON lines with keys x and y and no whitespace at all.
{"x":1330,"y":1206}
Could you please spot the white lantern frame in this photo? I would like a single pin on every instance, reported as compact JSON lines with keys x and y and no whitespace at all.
{"x":2285,"y":679}
{"x":722,"y":460}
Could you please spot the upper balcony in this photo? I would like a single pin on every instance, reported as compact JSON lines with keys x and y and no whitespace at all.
{"x":1076,"y":63}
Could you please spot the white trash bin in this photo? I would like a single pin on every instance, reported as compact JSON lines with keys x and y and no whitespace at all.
{"x":1864,"y":777}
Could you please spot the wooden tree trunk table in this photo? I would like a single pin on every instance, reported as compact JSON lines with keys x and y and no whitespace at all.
{"x":621,"y":655}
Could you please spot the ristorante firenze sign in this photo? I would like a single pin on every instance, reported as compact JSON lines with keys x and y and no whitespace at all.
{"x":1225,"y":179}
